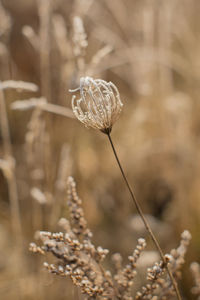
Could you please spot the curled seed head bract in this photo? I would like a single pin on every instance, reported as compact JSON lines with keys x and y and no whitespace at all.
{"x":99,"y":105}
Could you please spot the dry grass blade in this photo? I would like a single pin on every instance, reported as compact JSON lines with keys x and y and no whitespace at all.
{"x":45,"y":10}
{"x":43,"y":105}
{"x":195,"y":269}
{"x":19,"y":85}
{"x":10,"y":173}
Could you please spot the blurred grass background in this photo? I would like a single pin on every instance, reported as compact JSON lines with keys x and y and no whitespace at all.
{"x":150,"y":50}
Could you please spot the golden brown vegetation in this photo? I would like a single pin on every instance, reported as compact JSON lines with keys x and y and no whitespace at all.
{"x":150,"y":50}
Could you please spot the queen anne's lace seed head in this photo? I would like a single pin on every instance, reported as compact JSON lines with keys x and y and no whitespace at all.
{"x":99,"y":105}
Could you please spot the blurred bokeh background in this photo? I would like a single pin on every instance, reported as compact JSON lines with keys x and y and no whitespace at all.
{"x":150,"y":50}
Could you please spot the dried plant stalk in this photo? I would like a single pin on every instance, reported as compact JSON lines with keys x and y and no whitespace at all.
{"x":195,"y":269}
{"x":19,"y":85}
{"x":77,"y":257}
{"x":44,"y":9}
{"x":80,"y":43}
{"x":99,"y":107}
{"x":153,"y":276}
{"x":42,"y":104}
{"x":64,"y":169}
{"x":81,"y":260}
{"x":11,"y":178}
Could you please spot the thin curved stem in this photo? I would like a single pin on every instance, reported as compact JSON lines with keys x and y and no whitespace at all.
{"x":147,"y":226}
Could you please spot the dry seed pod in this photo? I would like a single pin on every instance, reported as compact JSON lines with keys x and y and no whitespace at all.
{"x":99,"y":105}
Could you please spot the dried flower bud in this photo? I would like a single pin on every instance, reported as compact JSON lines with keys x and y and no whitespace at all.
{"x":99,"y":105}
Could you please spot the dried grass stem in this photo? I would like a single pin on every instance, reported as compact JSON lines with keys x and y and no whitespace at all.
{"x":10,"y":176}
{"x":148,"y":228}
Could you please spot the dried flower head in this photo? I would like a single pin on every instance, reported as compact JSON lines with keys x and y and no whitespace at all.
{"x":99,"y":105}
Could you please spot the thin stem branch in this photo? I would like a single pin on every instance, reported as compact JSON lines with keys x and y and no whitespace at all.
{"x":147,"y":226}
{"x":45,"y":8}
{"x":11,"y":177}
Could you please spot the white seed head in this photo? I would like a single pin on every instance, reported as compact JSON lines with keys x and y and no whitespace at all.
{"x":99,"y":105}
